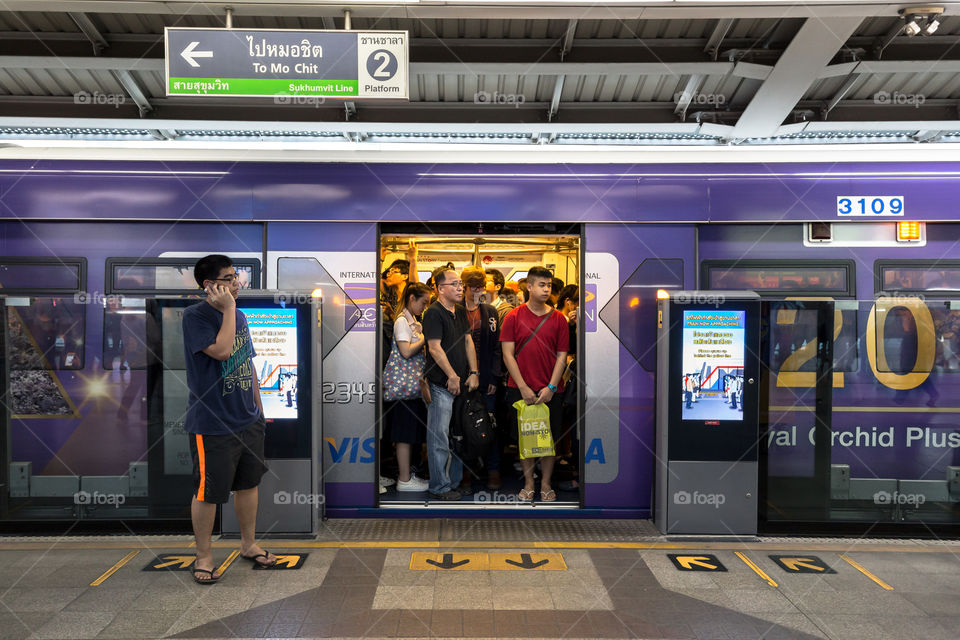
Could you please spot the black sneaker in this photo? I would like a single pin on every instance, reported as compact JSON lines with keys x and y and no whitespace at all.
{"x":449,"y":495}
{"x":465,"y":490}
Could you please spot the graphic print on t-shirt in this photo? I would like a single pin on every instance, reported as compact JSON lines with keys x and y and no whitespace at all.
{"x":236,"y":369}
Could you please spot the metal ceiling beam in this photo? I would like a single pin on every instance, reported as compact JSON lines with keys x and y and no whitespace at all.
{"x":568,"y":38}
{"x":555,"y":101}
{"x":804,"y":59}
{"x":844,"y":89}
{"x":586,"y":10}
{"x":133,"y":90}
{"x":720,"y":31}
{"x":687,"y":95}
{"x":90,"y":30}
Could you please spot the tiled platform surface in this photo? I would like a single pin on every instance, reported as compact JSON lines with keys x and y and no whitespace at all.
{"x":609,"y":590}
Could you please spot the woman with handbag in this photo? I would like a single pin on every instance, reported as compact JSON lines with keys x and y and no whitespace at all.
{"x":401,"y":382}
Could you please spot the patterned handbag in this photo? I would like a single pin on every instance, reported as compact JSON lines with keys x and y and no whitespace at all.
{"x":401,"y":376}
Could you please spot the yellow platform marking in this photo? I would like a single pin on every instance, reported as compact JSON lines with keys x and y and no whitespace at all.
{"x":166,"y":546}
{"x":173,"y":560}
{"x":112,"y":570}
{"x":429,"y":561}
{"x":856,"y":565}
{"x":525,"y":561}
{"x":226,"y":563}
{"x":760,"y":572}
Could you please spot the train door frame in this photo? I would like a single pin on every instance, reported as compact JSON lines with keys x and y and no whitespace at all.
{"x":486,"y":228}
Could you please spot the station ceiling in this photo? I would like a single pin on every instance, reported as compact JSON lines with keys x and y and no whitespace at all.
{"x":538,"y":72}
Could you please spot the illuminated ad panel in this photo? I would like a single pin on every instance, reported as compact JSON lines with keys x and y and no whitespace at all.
{"x":274,"y":336}
{"x":713,"y":353}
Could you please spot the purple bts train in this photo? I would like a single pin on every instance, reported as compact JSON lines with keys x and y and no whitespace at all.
{"x":860,"y":422}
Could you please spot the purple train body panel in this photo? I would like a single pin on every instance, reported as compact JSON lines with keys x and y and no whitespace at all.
{"x":644,"y":226}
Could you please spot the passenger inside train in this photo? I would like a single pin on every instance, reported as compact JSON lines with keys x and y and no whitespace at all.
{"x":487,"y":272}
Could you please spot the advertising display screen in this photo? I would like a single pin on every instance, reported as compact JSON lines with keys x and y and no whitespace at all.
{"x":713,"y":356}
{"x":274,"y":336}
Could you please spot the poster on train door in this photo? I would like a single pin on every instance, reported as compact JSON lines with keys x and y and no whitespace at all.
{"x":713,"y":353}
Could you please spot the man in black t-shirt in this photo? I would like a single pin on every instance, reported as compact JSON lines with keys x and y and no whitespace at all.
{"x":451,"y":358}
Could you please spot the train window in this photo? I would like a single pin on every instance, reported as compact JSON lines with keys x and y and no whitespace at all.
{"x":124,"y":333}
{"x":42,"y":275}
{"x":516,"y":276}
{"x":44,"y":335}
{"x":780,"y":277}
{"x":940,"y":277}
{"x":140,"y":276}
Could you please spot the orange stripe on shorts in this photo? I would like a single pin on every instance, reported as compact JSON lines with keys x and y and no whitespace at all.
{"x":203,"y":470}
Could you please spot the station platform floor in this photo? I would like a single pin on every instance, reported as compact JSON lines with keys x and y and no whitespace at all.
{"x":484,"y":578}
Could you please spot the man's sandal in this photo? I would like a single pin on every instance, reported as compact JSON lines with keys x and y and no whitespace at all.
{"x":548,"y":496}
{"x":209,"y":580}
{"x":264,"y":555}
{"x":525,"y":495}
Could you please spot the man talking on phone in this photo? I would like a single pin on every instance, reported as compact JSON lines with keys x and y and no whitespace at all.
{"x":224,"y":418}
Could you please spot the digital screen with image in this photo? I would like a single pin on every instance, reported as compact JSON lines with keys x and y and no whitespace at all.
{"x":274,"y":336}
{"x":713,"y":355}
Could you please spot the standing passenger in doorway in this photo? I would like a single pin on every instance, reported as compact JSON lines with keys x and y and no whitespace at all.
{"x":485,"y":330}
{"x":451,"y":362}
{"x":535,"y":340}
{"x":224,"y":414}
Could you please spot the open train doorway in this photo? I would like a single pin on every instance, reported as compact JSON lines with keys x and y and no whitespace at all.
{"x":472,"y":279}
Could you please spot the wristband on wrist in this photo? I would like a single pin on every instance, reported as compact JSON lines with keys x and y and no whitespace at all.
{"x":552,"y":387}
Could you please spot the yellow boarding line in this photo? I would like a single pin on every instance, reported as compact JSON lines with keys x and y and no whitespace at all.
{"x":112,"y":570}
{"x":226,"y":563}
{"x":856,"y":565}
{"x":517,"y":544}
{"x":760,"y":572}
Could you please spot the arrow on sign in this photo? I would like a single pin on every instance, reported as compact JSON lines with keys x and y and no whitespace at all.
{"x":689,"y":562}
{"x":183,"y":561}
{"x":189,"y":54}
{"x":526,"y":562}
{"x":795,"y":564}
{"x":448,"y":562}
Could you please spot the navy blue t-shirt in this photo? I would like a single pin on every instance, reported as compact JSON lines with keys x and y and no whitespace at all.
{"x":221,"y":393}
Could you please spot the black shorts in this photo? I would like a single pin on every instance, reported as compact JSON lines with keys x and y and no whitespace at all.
{"x":556,"y":415}
{"x":225,"y":463}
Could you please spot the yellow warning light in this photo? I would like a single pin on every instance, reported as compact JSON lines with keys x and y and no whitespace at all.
{"x":908,"y":231}
{"x":317,"y":293}
{"x":634,"y":302}
{"x":662,"y":294}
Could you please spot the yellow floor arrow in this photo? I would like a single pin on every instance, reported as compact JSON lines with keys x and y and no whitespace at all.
{"x":290,"y":561}
{"x":689,"y":561}
{"x":183,"y":561}
{"x":794,"y":564}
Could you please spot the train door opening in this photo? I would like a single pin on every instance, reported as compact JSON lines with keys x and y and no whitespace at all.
{"x":492,"y":265}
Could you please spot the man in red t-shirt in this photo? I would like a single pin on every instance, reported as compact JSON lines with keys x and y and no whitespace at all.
{"x":535,"y":340}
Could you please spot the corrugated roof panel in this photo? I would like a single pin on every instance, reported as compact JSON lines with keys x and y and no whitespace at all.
{"x":8,"y":84}
{"x":25,"y":80}
{"x":870,"y":85}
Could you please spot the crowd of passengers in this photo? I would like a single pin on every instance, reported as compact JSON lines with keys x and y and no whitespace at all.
{"x":467,"y":330}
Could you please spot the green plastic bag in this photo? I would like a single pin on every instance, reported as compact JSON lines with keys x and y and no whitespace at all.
{"x":533,"y":421}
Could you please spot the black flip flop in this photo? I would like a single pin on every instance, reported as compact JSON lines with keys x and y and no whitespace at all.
{"x":211,"y":580}
{"x":253,"y":559}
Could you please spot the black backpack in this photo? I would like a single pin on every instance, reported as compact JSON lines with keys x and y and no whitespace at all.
{"x":471,"y":427}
